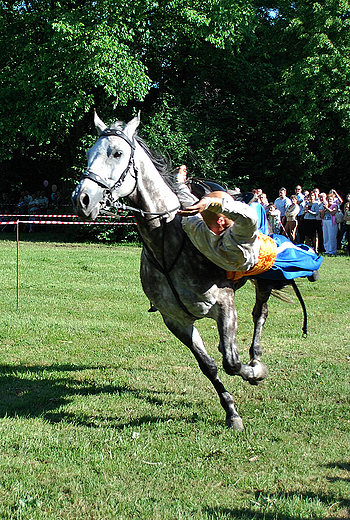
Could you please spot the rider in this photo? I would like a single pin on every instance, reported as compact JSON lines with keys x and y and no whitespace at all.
{"x":227,"y":232}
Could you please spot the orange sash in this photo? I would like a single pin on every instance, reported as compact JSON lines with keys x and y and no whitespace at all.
{"x":267,"y":257}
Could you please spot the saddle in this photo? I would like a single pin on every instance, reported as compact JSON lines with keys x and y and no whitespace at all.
{"x":201,"y":187}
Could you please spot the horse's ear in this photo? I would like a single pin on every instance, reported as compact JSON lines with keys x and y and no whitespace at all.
{"x":132,"y":126}
{"x":100,"y":126}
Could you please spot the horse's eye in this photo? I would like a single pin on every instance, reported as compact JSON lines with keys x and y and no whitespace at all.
{"x":117,"y":155}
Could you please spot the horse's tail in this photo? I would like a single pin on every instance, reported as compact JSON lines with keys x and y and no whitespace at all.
{"x":303,"y":306}
{"x":280,"y":290}
{"x":282,"y":294}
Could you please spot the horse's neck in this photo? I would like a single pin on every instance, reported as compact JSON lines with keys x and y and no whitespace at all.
{"x":152,"y":195}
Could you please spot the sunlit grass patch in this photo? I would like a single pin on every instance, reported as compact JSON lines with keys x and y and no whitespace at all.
{"x":104,"y":414}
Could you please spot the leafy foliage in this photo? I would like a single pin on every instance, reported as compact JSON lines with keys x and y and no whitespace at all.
{"x":247,"y":92}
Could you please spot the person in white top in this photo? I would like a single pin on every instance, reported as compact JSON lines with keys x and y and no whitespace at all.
{"x":210,"y":226}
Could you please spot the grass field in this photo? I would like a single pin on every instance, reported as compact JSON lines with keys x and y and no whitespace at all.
{"x":105,"y":415}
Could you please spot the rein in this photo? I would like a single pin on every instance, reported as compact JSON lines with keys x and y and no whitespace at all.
{"x":124,"y":207}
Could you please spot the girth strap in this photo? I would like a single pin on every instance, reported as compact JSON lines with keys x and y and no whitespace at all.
{"x":166,"y":272}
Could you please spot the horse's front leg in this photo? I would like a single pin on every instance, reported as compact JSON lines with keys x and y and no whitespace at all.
{"x":226,"y":318}
{"x":190,"y":337}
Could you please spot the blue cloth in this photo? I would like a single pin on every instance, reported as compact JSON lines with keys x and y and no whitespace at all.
{"x":262,"y":222}
{"x":292,"y":261}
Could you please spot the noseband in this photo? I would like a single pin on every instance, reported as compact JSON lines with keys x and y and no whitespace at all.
{"x":89,"y":174}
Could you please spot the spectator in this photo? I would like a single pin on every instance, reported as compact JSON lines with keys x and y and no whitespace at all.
{"x":33,"y":209}
{"x":300,"y":235}
{"x":299,"y":192}
{"x":317,"y":193}
{"x":274,"y":218}
{"x":263,"y":200}
{"x":329,"y":225}
{"x":55,"y":198}
{"x":319,"y":231}
{"x":337,"y":198}
{"x":33,"y":206}
{"x":5,"y":203}
{"x":291,"y":218}
{"x":282,"y":203}
{"x":21,"y":206}
{"x":43,"y":202}
{"x":310,"y":227}
{"x":346,"y":223}
{"x":27,"y":199}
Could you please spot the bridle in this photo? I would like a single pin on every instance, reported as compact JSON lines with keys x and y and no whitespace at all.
{"x":89,"y":174}
{"x":160,"y":266}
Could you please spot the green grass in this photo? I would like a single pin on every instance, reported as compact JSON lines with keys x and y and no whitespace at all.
{"x":105,"y":415}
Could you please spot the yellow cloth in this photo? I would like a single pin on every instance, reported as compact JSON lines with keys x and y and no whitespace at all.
{"x":267,"y":257}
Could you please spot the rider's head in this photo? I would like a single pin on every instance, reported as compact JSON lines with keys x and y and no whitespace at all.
{"x":217,"y":222}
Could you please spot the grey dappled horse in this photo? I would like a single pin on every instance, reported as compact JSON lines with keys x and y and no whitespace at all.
{"x":183,"y":284}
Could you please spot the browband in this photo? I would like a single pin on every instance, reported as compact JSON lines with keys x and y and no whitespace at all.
{"x":108,"y":132}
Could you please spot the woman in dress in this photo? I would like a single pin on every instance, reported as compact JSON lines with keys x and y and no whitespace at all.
{"x":329,"y":225}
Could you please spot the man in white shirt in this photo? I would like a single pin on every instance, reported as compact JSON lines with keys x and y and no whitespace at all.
{"x":282,"y":203}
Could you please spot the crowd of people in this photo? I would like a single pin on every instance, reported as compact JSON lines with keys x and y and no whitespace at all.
{"x":320,"y":220}
{"x":30,"y":204}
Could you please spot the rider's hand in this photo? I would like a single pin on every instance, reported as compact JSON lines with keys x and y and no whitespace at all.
{"x":199,"y":207}
{"x":181,"y":176}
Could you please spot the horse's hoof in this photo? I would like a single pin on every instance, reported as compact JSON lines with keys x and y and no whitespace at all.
{"x":314,"y":277}
{"x":260,"y":372}
{"x":235,"y":423}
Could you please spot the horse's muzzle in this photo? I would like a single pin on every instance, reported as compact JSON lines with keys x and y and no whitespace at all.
{"x":85,"y":203}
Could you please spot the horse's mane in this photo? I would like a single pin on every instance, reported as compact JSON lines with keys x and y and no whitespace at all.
{"x":163,"y":165}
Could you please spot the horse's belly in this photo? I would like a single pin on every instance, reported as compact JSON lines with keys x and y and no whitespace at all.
{"x":193,"y":296}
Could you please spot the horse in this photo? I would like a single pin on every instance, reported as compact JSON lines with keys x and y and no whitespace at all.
{"x":179,"y":280}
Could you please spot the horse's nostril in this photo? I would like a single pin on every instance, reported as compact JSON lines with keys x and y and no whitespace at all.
{"x":85,"y":200}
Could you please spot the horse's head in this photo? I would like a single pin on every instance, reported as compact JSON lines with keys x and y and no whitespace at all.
{"x":110,"y":172}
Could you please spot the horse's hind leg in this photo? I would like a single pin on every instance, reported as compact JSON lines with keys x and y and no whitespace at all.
{"x":260,"y":312}
{"x":226,"y":318}
{"x":190,"y":337}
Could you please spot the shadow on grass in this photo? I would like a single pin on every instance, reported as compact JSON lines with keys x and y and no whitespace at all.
{"x":44,"y":391}
{"x":271,"y":507}
{"x":340,"y":465}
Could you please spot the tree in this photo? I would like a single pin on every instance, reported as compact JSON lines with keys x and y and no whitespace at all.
{"x":70,"y":56}
{"x":247,"y":92}
{"x":308,"y":43}
{"x":64,"y":59}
